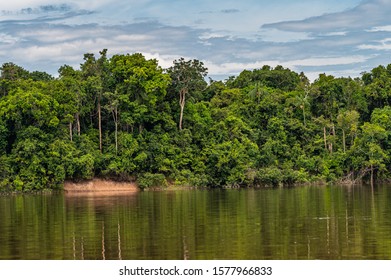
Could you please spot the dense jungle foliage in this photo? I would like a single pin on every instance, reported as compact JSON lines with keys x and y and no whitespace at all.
{"x":126,"y":118}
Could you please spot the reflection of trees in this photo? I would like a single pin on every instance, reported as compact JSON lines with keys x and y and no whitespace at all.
{"x":300,"y":223}
{"x":119,"y":242}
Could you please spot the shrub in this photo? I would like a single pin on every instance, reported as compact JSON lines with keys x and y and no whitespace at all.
{"x":148,"y":180}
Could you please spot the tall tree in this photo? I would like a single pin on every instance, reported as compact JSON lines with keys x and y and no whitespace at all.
{"x":10,"y":75}
{"x":301,"y":101}
{"x":112,"y":106}
{"x":370,"y":144}
{"x":74,"y":95}
{"x":96,"y":73}
{"x":139,"y":85}
{"x":187,"y":77}
{"x":348,"y":122}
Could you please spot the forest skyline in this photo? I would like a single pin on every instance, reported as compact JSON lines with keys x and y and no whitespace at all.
{"x":126,"y":118}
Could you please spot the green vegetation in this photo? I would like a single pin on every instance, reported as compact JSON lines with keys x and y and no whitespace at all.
{"x":126,"y":118}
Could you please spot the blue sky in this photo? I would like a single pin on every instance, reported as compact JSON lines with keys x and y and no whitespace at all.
{"x":341,"y":38}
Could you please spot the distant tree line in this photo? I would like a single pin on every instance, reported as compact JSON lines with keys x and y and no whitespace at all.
{"x":126,"y":118}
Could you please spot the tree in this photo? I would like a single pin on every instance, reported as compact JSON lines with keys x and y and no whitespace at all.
{"x":348,"y":122}
{"x":41,"y":76}
{"x":324,"y":96}
{"x":187,"y":77}
{"x":372,"y":135}
{"x":140,"y":85}
{"x":277,"y":78}
{"x":301,"y":101}
{"x":11,"y":71}
{"x":112,"y":106}
{"x":11,"y":74}
{"x":72,"y":81}
{"x":95,"y":71}
{"x":257,"y":91}
{"x":378,"y":88}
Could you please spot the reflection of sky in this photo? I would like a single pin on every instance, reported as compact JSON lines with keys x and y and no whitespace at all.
{"x":337,"y":37}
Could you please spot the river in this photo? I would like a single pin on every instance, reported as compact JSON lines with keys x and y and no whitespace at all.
{"x":328,"y":222}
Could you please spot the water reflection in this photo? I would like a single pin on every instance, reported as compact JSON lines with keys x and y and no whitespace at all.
{"x":298,"y":223}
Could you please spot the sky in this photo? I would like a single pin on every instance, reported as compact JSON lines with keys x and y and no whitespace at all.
{"x":340,"y":38}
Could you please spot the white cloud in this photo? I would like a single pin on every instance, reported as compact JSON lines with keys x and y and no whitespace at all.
{"x":279,"y":36}
{"x":327,"y":61}
{"x":165,"y":61}
{"x":386,"y":28}
{"x":353,"y":73}
{"x":8,"y":39}
{"x":211,"y":35}
{"x":132,"y":38}
{"x":382,"y":45}
{"x":235,"y":68}
{"x":50,"y":36}
{"x":339,"y":33}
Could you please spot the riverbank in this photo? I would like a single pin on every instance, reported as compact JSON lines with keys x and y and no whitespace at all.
{"x":100,"y":186}
{"x":109,"y":186}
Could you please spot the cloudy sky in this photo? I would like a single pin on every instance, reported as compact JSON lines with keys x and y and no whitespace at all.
{"x":342,"y":38}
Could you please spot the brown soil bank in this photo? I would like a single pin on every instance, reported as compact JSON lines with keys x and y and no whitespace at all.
{"x":100,"y":186}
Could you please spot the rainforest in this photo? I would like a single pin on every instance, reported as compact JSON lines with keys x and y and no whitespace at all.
{"x":125,"y":118}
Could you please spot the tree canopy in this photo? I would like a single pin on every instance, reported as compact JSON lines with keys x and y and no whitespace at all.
{"x":126,"y":118}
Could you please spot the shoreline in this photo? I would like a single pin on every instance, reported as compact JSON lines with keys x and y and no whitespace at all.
{"x":100,"y":186}
{"x":109,"y":186}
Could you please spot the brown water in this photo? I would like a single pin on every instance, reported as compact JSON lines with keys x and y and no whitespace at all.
{"x":300,"y":223}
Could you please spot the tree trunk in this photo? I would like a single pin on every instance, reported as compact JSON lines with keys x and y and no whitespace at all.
{"x":304,"y":116}
{"x":181,"y":117}
{"x":78,"y":123}
{"x":182,"y":100}
{"x":343,"y":141}
{"x":116,"y":131}
{"x":99,"y":124}
{"x":70,"y":131}
{"x":324,"y":137}
{"x":78,"y":113}
{"x":331,"y":142}
{"x":116,"y":138}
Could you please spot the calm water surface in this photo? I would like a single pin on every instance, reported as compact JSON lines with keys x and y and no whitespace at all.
{"x":298,"y":223}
